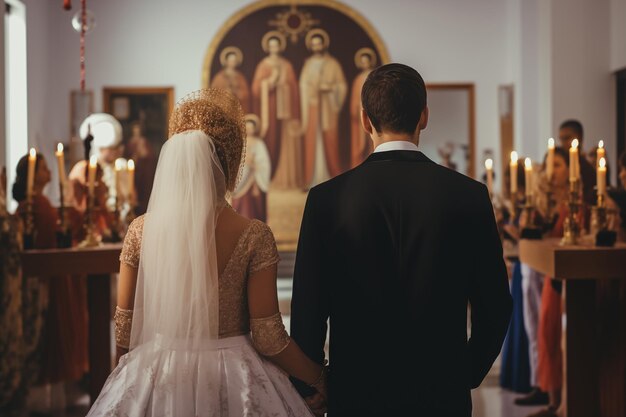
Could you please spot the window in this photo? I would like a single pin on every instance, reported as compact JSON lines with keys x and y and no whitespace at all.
{"x":16,"y":110}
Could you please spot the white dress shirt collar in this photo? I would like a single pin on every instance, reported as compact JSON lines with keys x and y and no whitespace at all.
{"x":396,"y":145}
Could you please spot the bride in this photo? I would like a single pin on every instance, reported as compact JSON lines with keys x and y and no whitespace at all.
{"x":197,"y":302}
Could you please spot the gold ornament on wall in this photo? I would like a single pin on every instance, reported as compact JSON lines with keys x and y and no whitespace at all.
{"x":293,"y":23}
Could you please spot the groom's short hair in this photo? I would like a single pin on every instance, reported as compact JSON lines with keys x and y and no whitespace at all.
{"x":394,"y":97}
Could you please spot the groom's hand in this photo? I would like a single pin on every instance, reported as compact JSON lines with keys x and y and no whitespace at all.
{"x":317,"y":404}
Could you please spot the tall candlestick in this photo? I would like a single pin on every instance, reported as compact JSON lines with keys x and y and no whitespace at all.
{"x":30,"y":179}
{"x":119,"y":166}
{"x":574,"y":171}
{"x":91,"y":177}
{"x":489,"y":168}
{"x":601,"y":177}
{"x":528,"y":171}
{"x":131,"y":178}
{"x":601,"y":152}
{"x":550,"y":159}
{"x":513,"y":173}
{"x":60,"y":163}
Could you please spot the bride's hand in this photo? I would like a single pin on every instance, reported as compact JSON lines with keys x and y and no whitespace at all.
{"x":119,"y":352}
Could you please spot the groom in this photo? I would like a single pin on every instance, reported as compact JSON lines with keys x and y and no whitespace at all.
{"x":392,"y":252}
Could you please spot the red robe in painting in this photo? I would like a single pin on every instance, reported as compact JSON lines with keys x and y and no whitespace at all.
{"x":276,"y":102}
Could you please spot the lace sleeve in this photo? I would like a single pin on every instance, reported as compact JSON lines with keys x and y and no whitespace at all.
{"x":132,"y":243}
{"x":264,"y":252}
{"x":269,"y":336}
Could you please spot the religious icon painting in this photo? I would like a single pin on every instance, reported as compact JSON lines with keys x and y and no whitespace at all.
{"x":302,"y":81}
{"x":144,"y":115}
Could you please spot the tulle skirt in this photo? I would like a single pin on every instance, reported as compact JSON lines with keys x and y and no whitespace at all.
{"x":227,"y":378}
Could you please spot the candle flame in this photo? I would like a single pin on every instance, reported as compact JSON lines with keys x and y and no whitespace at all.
{"x":601,"y":144}
{"x":602,"y":163}
{"x":489,"y":164}
{"x":528,"y":163}
{"x":131,"y":165}
{"x":93,"y":161}
{"x":551,"y":143}
{"x":575,"y":144}
{"x":60,"y":148}
{"x":32,"y":153}
{"x":119,"y":164}
{"x":514,"y":156}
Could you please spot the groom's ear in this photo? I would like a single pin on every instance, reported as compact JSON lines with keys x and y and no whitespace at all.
{"x":366,"y":123}
{"x":423,"y":119}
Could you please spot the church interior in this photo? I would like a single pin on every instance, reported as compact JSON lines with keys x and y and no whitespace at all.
{"x":525,"y":96}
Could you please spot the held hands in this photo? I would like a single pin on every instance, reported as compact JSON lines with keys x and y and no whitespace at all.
{"x":317,"y":404}
{"x":318,"y":401}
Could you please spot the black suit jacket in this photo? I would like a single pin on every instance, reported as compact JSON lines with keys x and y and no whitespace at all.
{"x":392,"y":251}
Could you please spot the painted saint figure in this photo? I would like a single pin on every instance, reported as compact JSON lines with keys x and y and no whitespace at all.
{"x":250,"y":196}
{"x":361,"y":145}
{"x":230,"y":78}
{"x":142,"y":152}
{"x":275,"y":99}
{"x":323,"y":91}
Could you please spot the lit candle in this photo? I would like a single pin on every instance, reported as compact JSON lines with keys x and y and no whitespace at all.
{"x":550,"y":159}
{"x":528,"y":171}
{"x":30,"y":179}
{"x":119,"y":166}
{"x":489,"y":168}
{"x":601,"y":176}
{"x":573,"y":161}
{"x":513,"y":173}
{"x":60,"y":163}
{"x":131,"y":178}
{"x":601,"y":153}
{"x":91,"y":177}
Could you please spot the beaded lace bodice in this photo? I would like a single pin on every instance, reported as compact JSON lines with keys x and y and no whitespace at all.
{"x":255,"y":251}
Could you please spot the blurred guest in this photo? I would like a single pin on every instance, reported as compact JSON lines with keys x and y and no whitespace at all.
{"x":515,"y":371}
{"x":77,"y":199}
{"x":568,"y":131}
{"x":550,"y":356}
{"x":63,"y":342}
{"x":14,"y":376}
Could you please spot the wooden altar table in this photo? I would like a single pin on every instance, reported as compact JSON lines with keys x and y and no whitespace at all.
{"x":97,"y":264}
{"x":594,"y":333}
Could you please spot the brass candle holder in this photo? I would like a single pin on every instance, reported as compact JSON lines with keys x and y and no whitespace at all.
{"x":551,"y":202}
{"x":571,"y":226}
{"x":115,"y":226}
{"x":531,"y":230}
{"x":600,"y":224}
{"x":64,"y":235}
{"x":599,"y":216}
{"x":92,"y":239}
{"x":29,"y":225}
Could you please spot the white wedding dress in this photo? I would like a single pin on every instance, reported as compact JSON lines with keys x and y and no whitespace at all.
{"x":191,"y":353}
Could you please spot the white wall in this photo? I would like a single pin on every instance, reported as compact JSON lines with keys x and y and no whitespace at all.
{"x":567,"y":49}
{"x":448,"y":122}
{"x":161,"y":43}
{"x":618,"y":34}
{"x":583,"y":86}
